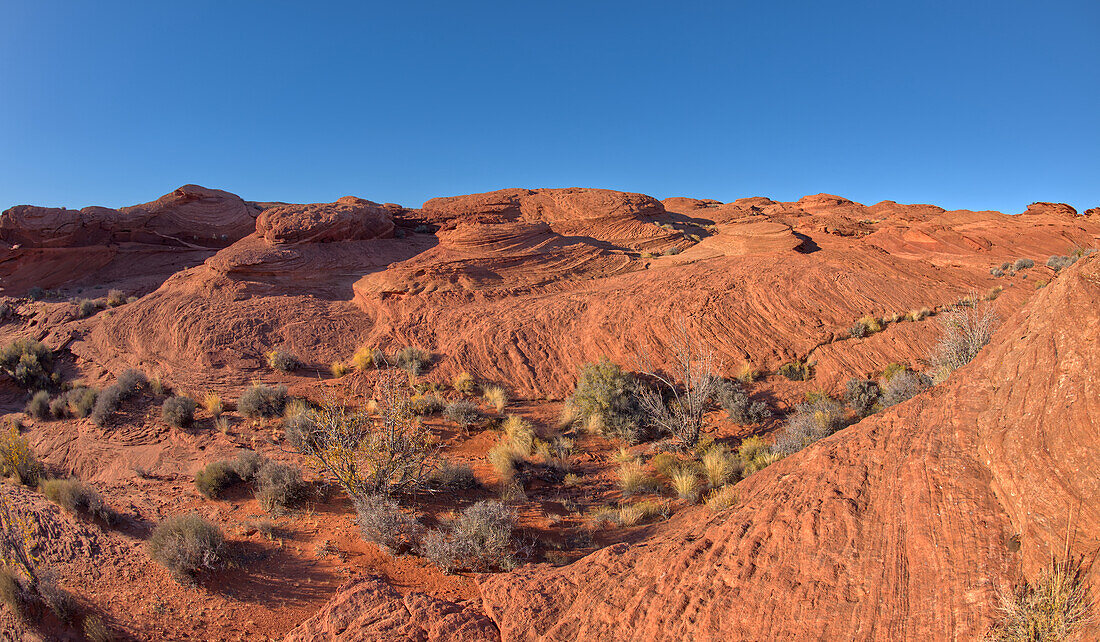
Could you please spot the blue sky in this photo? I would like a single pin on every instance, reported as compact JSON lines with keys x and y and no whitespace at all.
{"x":978,"y":105}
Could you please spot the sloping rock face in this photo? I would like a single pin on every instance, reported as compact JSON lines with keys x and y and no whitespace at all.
{"x":348,"y":219}
{"x":189,"y":216}
{"x":371,"y":610}
{"x":903,"y":526}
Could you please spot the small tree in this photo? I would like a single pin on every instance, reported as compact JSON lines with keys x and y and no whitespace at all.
{"x":677,"y":401}
{"x":390,"y":453}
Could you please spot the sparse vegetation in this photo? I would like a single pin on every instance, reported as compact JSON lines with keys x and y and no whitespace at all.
{"x":452,"y":476}
{"x":966,"y":330}
{"x":811,"y":421}
{"x":479,"y":539}
{"x":283,"y":361}
{"x":634,"y":514}
{"x":677,"y":401}
{"x":424,"y":405}
{"x":412,"y":360}
{"x":1053,"y":608}
{"x":128,"y":384}
{"x":279,"y":486}
{"x":463,"y":413}
{"x":178,"y":411}
{"x":1024,"y":264}
{"x":719,"y":466}
{"x":186,"y":545}
{"x":18,"y":459}
{"x":259,"y":400}
{"x":39,"y":405}
{"x":904,"y":386}
{"x":87,"y":307}
{"x":212,"y":402}
{"x":76,"y":497}
{"x":116,"y":298}
{"x":339,"y":369}
{"x":918,"y":315}
{"x":634,"y":479}
{"x":721,"y":499}
{"x":213,"y":479}
{"x":685,"y":483}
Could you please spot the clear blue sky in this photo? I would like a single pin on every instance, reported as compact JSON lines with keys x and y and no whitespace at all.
{"x":965,"y":104}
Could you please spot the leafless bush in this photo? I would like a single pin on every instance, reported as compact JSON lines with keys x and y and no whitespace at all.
{"x":903,"y":386}
{"x":383,"y":522}
{"x":675,"y":404}
{"x":480,"y":539}
{"x":966,"y":330}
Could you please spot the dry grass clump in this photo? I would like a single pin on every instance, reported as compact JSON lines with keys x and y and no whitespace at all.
{"x":623,"y":455}
{"x":452,"y":476}
{"x":178,"y":411}
{"x":283,"y":361}
{"x":479,"y":539}
{"x":665,"y":463}
{"x":187,"y":545}
{"x":722,"y":498}
{"x":634,"y":479}
{"x":465,"y":384}
{"x":96,"y":630}
{"x":685,"y":483}
{"x":76,"y":497}
{"x":412,"y":359}
{"x":367,"y":358}
{"x":212,"y":402}
{"x":993,"y":293}
{"x":18,"y":460}
{"x":746,"y":373}
{"x":720,"y":467}
{"x":496,"y":397}
{"x":259,"y":400}
{"x":1053,"y":608}
{"x":918,"y":315}
{"x":966,"y":330}
{"x":812,"y":420}
{"x":634,"y":514}
{"x":864,"y":326}
{"x":339,"y":369}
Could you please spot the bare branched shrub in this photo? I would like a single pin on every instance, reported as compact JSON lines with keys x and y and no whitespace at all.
{"x":1053,"y":608}
{"x":904,"y":386}
{"x":966,"y":330}
{"x":187,"y":545}
{"x":678,"y":400}
{"x":390,"y":453}
{"x":412,"y":359}
{"x":463,"y":413}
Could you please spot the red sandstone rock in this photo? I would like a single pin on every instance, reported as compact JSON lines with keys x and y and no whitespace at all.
{"x":348,"y":219}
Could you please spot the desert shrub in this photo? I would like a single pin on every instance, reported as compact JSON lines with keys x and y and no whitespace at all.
{"x":79,"y":401}
{"x":28,"y":362}
{"x":452,"y":476}
{"x":128,"y":384}
{"x":96,"y":630}
{"x":605,"y":391}
{"x":993,"y":293}
{"x":719,"y":466}
{"x":677,"y":400}
{"x":870,"y":324}
{"x":247,"y":464}
{"x":131,"y":381}
{"x":36,"y":293}
{"x":1055,"y":607}
{"x":383,"y":522}
{"x":58,"y":408}
{"x":685,"y":483}
{"x":282,"y":361}
{"x":722,"y":499}
{"x":479,"y":539}
{"x":1024,"y":264}
{"x":13,"y":594}
{"x":496,"y":397}
{"x":463,"y":413}
{"x":279,"y":486}
{"x":116,"y":298}
{"x":212,"y":402}
{"x":746,"y":373}
{"x":394,"y":454}
{"x":904,"y":386}
{"x":39,"y":405}
{"x":76,"y":497}
{"x":339,"y":369}
{"x":810,"y":422}
{"x":259,"y":400}
{"x":465,"y":384}
{"x":634,"y":479}
{"x":965,"y":331}
{"x":18,"y":460}
{"x":412,"y":359}
{"x":158,"y":387}
{"x":178,"y":411}
{"x":424,"y":405}
{"x":997,"y":272}
{"x":857,"y":331}
{"x":87,"y":307}
{"x":672,"y":251}
{"x":366,"y":358}
{"x":737,"y":404}
{"x":215,"y":478}
{"x":861,"y":395}
{"x":1057,"y":263}
{"x":186,"y":545}
{"x":6,"y":310}
{"x":795,"y":371}
{"x":918,"y":315}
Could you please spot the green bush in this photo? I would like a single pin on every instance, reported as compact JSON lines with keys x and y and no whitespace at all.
{"x":262,"y":401}
{"x":609,"y":395}
{"x":186,"y":545}
{"x":76,"y":497}
{"x":215,"y":478}
{"x":29,"y":363}
{"x":795,"y":371}
{"x":178,"y":411}
{"x":39,"y":405}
